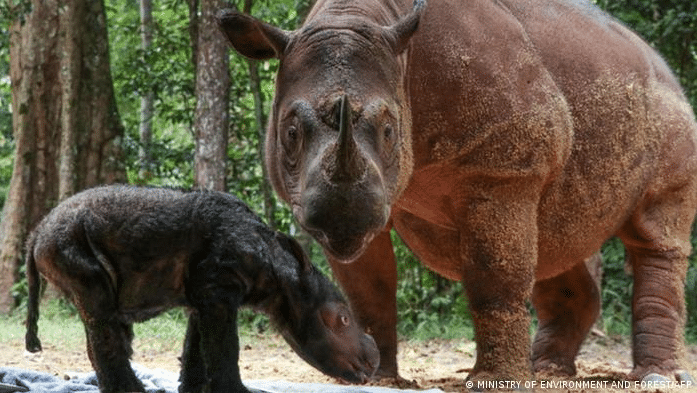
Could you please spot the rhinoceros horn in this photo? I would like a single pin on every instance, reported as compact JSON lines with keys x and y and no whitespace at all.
{"x":349,"y":165}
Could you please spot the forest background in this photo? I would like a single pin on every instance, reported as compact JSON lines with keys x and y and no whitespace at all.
{"x":175,"y":108}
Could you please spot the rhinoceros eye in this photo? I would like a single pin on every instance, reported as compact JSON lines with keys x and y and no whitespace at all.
{"x":389,"y":138}
{"x":292,"y":135}
{"x":292,"y":140}
{"x":388,"y":133}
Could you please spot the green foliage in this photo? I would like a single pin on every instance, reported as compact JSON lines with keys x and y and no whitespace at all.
{"x":616,"y":291}
{"x":6,"y":163}
{"x":166,"y":70}
{"x":245,"y":164}
{"x":428,"y":305}
{"x":13,"y":10}
{"x":252,"y":321}
{"x":6,"y":140}
{"x":20,"y":289}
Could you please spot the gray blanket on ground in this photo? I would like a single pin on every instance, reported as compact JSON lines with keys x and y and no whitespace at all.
{"x":161,"y":381}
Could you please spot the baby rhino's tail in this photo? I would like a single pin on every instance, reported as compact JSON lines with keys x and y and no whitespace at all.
{"x":31,"y":339}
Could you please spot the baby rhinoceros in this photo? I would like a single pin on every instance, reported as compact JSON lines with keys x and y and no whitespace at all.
{"x":124,"y":254}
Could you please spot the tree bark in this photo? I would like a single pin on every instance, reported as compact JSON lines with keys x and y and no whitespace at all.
{"x":212,"y":91}
{"x":65,"y":124}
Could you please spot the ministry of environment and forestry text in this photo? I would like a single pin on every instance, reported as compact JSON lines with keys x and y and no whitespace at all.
{"x":582,"y":384}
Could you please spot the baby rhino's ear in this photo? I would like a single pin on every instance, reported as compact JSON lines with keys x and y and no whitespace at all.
{"x":292,"y":246}
{"x":251,"y":37}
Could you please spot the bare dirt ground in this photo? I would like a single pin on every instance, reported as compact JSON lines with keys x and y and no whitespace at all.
{"x":444,"y":364}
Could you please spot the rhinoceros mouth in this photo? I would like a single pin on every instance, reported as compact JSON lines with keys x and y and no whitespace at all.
{"x":343,"y":237}
{"x":345,"y":250}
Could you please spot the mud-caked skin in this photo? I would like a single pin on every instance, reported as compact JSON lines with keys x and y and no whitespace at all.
{"x":124,"y":254}
{"x":504,"y":141}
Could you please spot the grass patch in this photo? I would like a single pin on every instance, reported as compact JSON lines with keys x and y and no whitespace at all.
{"x":11,"y":328}
{"x":57,"y":327}
{"x":60,"y":326}
{"x":165,"y":332}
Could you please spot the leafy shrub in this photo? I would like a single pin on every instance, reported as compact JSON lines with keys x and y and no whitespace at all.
{"x":616,"y":291}
{"x":428,"y":305}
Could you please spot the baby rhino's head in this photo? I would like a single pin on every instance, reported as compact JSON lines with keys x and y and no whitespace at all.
{"x":317,"y":322}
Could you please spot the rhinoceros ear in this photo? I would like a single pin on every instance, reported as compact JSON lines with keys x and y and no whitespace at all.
{"x":251,"y":37}
{"x":400,"y":33}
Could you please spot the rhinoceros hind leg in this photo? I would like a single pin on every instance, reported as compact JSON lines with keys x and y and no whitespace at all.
{"x":567,"y":306}
{"x":657,"y":239}
{"x":658,"y":314}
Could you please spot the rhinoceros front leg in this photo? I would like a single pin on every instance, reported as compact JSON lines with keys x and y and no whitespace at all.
{"x":567,"y":306}
{"x":498,"y":245}
{"x":370,"y":283}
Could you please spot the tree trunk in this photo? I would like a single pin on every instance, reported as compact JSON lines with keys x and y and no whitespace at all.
{"x":260,"y":116}
{"x":212,"y":91}
{"x":147,"y":102}
{"x":255,"y":86}
{"x":66,"y":127}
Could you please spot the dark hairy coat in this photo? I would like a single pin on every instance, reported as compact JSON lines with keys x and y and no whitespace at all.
{"x":124,"y":254}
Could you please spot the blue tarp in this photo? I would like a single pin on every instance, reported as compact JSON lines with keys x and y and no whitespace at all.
{"x":162,"y":381}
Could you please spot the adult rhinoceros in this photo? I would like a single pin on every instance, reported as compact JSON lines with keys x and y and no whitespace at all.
{"x":505,"y":141}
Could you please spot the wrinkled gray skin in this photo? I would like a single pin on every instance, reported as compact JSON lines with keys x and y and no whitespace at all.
{"x":125,"y":254}
{"x":504,"y":141}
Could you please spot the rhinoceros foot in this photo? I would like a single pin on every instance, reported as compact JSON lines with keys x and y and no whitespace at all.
{"x":544,"y":367}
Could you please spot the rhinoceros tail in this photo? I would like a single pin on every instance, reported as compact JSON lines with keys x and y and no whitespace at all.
{"x":31,"y":339}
